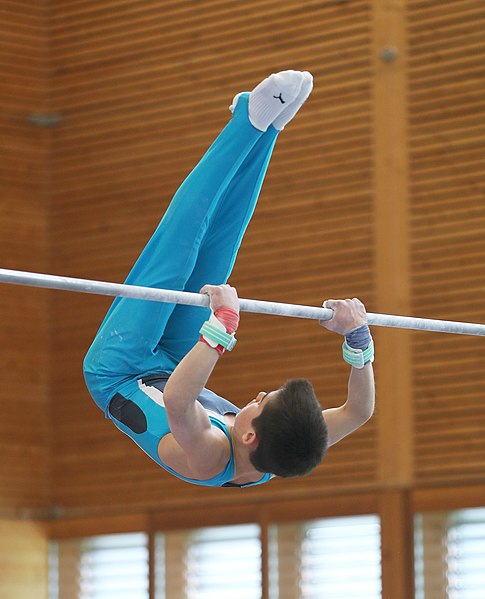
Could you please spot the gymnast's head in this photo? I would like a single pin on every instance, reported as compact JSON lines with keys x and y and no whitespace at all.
{"x":290,"y":432}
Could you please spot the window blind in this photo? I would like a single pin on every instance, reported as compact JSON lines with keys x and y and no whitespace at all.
{"x":333,"y":557}
{"x":341,"y":558}
{"x":450,"y":554}
{"x":102,"y":567}
{"x":224,"y":563}
{"x":338,"y":558}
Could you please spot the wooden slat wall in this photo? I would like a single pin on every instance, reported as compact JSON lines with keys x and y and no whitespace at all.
{"x":24,"y":335}
{"x":447,"y":142}
{"x":142,"y":89}
{"x":143,"y":92}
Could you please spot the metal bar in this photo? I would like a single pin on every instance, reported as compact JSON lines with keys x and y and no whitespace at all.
{"x":17,"y":277}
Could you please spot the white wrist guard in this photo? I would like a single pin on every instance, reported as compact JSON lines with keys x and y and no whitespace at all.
{"x":358,"y":358}
{"x":215,"y":334}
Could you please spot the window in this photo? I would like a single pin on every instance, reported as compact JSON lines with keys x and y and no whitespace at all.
{"x":101,"y":567}
{"x":338,"y":558}
{"x":450,"y":554}
{"x":334,"y":557}
{"x":222,"y":562}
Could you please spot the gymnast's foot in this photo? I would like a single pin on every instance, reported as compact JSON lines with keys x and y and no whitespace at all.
{"x":270,"y":98}
{"x":289,"y":112}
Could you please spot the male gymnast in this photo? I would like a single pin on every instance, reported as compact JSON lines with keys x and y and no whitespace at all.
{"x":149,"y":363}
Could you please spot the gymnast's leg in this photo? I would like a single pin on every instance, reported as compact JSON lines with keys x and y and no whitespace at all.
{"x":127,"y":343}
{"x":218,"y":251}
{"x":219,"y":248}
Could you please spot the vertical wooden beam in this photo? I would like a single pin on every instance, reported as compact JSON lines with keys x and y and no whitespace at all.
{"x":264,"y":527}
{"x":289,"y":560}
{"x":392,"y":241}
{"x":175,"y":570}
{"x":397,"y":545}
{"x":434,"y":529}
{"x":23,"y":560}
{"x":152,"y":564}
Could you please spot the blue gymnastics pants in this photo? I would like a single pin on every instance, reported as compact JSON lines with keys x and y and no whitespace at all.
{"x":196,"y":243}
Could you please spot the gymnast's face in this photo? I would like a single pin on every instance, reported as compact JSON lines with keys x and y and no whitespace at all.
{"x":253,"y":409}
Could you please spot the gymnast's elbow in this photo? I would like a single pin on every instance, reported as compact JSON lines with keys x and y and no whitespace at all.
{"x":367,"y":413}
{"x":172,"y":400}
{"x":361,"y":411}
{"x":366,"y":409}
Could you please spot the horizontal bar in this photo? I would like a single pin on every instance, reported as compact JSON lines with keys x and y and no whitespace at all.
{"x":18,"y":277}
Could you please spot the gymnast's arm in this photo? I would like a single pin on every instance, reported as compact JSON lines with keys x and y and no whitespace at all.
{"x":359,"y":407}
{"x":205,"y":446}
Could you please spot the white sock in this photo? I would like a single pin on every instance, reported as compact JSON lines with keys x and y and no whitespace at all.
{"x":232,"y":107}
{"x":270,"y":97}
{"x":289,"y":112}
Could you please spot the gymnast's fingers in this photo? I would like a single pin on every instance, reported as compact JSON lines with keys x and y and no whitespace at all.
{"x":331,"y":304}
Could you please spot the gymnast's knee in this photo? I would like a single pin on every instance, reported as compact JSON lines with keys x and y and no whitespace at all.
{"x":97,"y":384}
{"x":92,"y":359}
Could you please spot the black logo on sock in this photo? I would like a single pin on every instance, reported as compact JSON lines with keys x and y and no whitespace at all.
{"x":280,"y":99}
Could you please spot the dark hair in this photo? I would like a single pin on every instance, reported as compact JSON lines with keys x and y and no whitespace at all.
{"x":292,"y":432}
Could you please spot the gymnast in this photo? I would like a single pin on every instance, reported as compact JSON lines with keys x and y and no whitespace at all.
{"x":149,"y":363}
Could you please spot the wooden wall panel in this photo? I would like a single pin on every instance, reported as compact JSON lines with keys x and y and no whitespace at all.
{"x":143,"y":92}
{"x":447,"y":142}
{"x":24,"y":335}
{"x":394,"y":415}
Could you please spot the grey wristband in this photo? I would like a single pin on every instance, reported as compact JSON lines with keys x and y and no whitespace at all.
{"x":360,"y":338}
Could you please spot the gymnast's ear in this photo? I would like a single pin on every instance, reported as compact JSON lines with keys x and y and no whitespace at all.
{"x":250,"y":438}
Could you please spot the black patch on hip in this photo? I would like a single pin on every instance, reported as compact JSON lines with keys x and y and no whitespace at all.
{"x":128,"y":413}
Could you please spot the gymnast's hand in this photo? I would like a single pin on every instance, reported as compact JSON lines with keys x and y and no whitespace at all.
{"x":221,"y":296}
{"x":349,"y":314}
